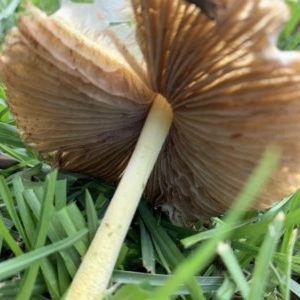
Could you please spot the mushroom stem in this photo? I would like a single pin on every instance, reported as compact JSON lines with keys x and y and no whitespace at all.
{"x":96,"y":268}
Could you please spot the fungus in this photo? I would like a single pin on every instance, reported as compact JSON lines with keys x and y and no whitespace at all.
{"x":206,"y":96}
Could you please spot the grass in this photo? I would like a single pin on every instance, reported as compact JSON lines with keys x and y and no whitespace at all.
{"x":48,"y":218}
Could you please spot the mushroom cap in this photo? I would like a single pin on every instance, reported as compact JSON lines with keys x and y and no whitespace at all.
{"x":80,"y":97}
{"x":80,"y":105}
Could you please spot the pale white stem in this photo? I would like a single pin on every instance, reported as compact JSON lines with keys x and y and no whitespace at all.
{"x":96,"y":268}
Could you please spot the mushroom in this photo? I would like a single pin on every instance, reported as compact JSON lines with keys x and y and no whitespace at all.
{"x":192,"y":107}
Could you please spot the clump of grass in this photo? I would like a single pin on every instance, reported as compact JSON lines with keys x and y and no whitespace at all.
{"x":48,"y":218}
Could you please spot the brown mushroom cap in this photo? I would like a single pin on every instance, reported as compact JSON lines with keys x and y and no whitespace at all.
{"x":73,"y":101}
{"x":232,"y":93}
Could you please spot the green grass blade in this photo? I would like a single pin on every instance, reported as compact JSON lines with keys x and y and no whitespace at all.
{"x":47,"y":209}
{"x":147,"y":248}
{"x":24,"y":211}
{"x":48,"y":269}
{"x":70,"y":256}
{"x":30,"y":275}
{"x":286,"y":267}
{"x":226,"y":291}
{"x":208,"y":283}
{"x":168,"y":247}
{"x":25,"y":156}
{"x":9,"y":136}
{"x":206,"y":235}
{"x":91,"y":214}
{"x":131,"y":291}
{"x":289,"y":39}
{"x":295,"y":288}
{"x":9,"y":8}
{"x":252,"y":251}
{"x":163,"y":240}
{"x":72,"y":221}
{"x":10,"y":206}
{"x":9,"y":289}
{"x":64,"y":279}
{"x":259,"y":276}
{"x":60,"y":194}
{"x":8,"y":238}
{"x":28,"y":281}
{"x":17,"y":264}
{"x":233,"y":268}
{"x":287,"y":248}
{"x":162,"y":258}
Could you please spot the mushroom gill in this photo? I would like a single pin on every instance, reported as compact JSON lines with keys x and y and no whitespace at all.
{"x":232,"y":92}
